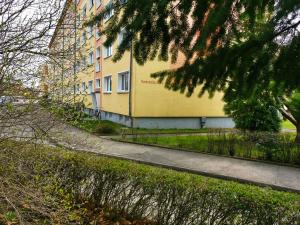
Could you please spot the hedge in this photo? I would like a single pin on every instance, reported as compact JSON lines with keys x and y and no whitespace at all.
{"x":164,"y":196}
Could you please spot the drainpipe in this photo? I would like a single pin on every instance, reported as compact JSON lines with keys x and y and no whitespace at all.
{"x":62,"y":66}
{"x":130,"y":86}
{"x":75,"y":49}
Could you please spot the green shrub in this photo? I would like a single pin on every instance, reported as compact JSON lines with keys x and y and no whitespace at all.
{"x":255,"y":113}
{"x":164,"y":196}
{"x":106,"y":128}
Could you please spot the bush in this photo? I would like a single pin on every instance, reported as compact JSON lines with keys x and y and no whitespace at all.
{"x":164,"y":196}
{"x":106,"y":128}
{"x":255,"y":113}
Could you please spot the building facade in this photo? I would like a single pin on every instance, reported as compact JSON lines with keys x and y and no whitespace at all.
{"x":123,"y":92}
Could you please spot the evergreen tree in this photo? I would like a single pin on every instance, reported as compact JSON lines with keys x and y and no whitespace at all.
{"x":224,"y":42}
{"x":229,"y":46}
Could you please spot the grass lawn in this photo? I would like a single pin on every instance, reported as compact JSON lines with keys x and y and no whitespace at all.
{"x":287,"y":125}
{"x":230,"y":145}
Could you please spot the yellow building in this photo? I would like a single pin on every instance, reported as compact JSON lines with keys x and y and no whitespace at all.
{"x":124,"y":92}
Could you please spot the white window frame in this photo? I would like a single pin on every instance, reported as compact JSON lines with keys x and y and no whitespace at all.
{"x":83,"y":38}
{"x":107,"y":84}
{"x":98,"y":52}
{"x":122,"y":86}
{"x":78,"y":42}
{"x":91,"y":4}
{"x":91,"y":58}
{"x":83,"y":87}
{"x":98,"y":33}
{"x":77,"y":88}
{"x":110,"y":13}
{"x":84,"y":11}
{"x":78,"y":20}
{"x":83,"y":62}
{"x":107,"y":51}
{"x":77,"y":66}
{"x":98,"y":83}
{"x":90,"y":31}
{"x":90,"y":87}
{"x":97,"y":66}
{"x":121,"y":35}
{"x":98,"y":3}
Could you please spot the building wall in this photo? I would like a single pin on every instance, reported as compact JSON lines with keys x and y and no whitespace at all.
{"x":117,"y":102}
{"x":152,"y":99}
{"x":152,"y":104}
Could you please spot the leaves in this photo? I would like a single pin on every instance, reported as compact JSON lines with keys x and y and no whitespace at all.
{"x":225,"y":43}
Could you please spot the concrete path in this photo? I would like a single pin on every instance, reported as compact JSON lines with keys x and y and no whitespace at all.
{"x":264,"y":174}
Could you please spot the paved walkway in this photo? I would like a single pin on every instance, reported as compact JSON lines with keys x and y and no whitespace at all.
{"x":279,"y":177}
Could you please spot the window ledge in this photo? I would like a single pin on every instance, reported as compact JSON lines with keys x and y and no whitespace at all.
{"x":107,"y":57}
{"x":123,"y":92}
{"x":106,"y":20}
{"x":106,"y":92}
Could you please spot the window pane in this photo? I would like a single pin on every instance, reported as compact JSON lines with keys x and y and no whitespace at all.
{"x":126,"y":82}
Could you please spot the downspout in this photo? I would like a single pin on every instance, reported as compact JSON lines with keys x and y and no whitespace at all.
{"x":130,"y":86}
{"x":75,"y":49}
{"x":62,"y":66}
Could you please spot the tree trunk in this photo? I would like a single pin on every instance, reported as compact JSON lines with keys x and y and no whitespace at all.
{"x":297,"y":140}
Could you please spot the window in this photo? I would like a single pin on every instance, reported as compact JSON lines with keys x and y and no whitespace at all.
{"x":98,"y":83}
{"x":77,"y":67}
{"x":77,"y":89}
{"x":98,"y":33}
{"x":98,"y":66}
{"x":107,"y":51}
{"x":84,"y":11}
{"x":91,"y":58}
{"x":122,"y":35}
{"x":110,"y":12}
{"x":78,"y":20}
{"x":123,"y":82}
{"x":107,"y":84}
{"x":83,"y":87}
{"x":90,"y":31}
{"x":78,"y":42}
{"x":91,"y":4}
{"x":83,"y":38}
{"x":91,"y":88}
{"x":83,"y":62}
{"x":122,"y":2}
{"x":98,"y":3}
{"x":98,"y":52}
